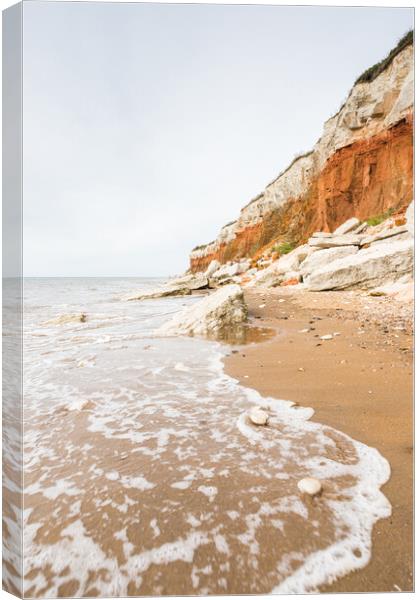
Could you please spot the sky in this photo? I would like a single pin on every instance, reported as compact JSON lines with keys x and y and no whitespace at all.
{"x":147,"y":127}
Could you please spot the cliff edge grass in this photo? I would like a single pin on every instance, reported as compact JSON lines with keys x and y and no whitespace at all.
{"x":375,"y":70}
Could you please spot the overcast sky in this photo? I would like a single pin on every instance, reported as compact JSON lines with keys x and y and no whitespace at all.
{"x":148,"y":127}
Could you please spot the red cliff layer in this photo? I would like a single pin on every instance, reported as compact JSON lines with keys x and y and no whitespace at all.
{"x":361,"y":166}
{"x":362,"y":179}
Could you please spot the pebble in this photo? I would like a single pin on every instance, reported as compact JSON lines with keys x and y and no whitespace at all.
{"x":261,"y":306}
{"x":258,"y":416}
{"x":304,"y":331}
{"x":310,"y":486}
{"x":326,"y":337}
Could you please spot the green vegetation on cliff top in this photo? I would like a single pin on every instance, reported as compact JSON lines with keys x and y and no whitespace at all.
{"x":375,"y":70}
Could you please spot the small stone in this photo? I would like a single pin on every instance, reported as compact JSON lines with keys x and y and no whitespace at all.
{"x":310,"y":486}
{"x":261,"y":306}
{"x":258,"y":416}
{"x":304,"y":331}
{"x":326,"y":337}
{"x":301,"y":369}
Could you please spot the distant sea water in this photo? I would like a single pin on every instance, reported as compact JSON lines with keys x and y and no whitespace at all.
{"x":143,"y":475}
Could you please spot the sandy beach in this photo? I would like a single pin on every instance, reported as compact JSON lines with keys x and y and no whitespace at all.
{"x":360,"y":382}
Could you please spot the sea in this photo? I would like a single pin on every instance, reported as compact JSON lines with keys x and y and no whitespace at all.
{"x":143,"y":474}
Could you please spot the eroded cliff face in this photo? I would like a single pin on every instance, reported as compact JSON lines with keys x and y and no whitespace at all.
{"x":361,"y":166}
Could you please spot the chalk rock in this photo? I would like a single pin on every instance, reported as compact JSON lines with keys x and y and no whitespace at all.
{"x":328,"y":336}
{"x":162,"y":292}
{"x":228,"y":280}
{"x":409,"y":215}
{"x":231,"y":270}
{"x":362,"y":227}
{"x":281,"y":269}
{"x":181,"y":286}
{"x":366,"y":269}
{"x":222,"y":309}
{"x":383,"y":235}
{"x":322,"y":258}
{"x":396,"y":238}
{"x":347,"y":226}
{"x":405,"y":293}
{"x":212,"y":268}
{"x":258,"y":416}
{"x":349,"y":239}
{"x":310,"y":486}
{"x":321,"y":234}
{"x":404,"y":101}
{"x":191,"y":282}
{"x":402,"y":290}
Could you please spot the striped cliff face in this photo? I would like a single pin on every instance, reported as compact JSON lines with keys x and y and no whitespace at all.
{"x":361,"y":166}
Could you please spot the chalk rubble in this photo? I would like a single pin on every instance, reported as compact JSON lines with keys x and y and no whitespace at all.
{"x":347,"y":226}
{"x":220,"y":310}
{"x":366,"y":269}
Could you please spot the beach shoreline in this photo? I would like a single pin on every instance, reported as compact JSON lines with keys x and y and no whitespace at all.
{"x":360,"y":382}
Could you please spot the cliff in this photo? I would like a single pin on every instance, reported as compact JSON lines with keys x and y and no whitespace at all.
{"x":361,"y":166}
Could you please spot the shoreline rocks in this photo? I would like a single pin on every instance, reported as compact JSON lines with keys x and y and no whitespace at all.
{"x":161,"y":293}
{"x":347,"y":239}
{"x":366,"y":269}
{"x":324,"y":257}
{"x":218,"y":311}
{"x":181,"y":286}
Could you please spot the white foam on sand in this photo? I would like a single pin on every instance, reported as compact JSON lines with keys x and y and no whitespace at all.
{"x":356,"y":514}
{"x":188,"y":420}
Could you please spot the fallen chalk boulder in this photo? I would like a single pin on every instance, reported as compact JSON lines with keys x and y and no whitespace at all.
{"x":216,"y":312}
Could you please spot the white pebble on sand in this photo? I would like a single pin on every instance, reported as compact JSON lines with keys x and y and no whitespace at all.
{"x":310,"y":486}
{"x":258,"y":416}
{"x":326,"y":337}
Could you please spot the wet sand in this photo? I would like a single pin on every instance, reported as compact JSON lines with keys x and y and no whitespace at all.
{"x":360,"y":382}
